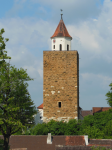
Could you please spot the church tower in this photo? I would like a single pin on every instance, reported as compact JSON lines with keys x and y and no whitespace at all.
{"x":60,"y":78}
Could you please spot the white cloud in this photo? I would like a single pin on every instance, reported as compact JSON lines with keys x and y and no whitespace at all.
{"x":73,"y":10}
{"x":23,"y":31}
{"x":90,"y":28}
{"x":26,"y":34}
{"x":86,"y":36}
{"x":94,"y":36}
{"x":19,"y":1}
{"x":96,"y":80}
{"x":95,"y":20}
{"x":40,"y":72}
{"x":42,"y":9}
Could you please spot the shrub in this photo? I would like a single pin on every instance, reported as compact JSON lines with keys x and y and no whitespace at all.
{"x":93,"y":132}
{"x":108,"y":128}
{"x":40,"y":129}
{"x":57,"y":128}
{"x":97,"y":126}
{"x":72,"y":127}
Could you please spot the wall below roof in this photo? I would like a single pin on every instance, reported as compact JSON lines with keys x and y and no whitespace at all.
{"x":39,"y":116}
{"x":61,"y":40}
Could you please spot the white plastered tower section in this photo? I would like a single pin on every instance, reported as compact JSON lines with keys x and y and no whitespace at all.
{"x":64,"y":41}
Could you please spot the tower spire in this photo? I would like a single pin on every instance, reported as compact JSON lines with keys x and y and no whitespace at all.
{"x":61,"y":15}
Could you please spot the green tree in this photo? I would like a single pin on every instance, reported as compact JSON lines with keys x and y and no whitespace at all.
{"x":94,"y":126}
{"x":109,"y":96}
{"x":15,"y":102}
{"x":108,"y":129}
{"x":3,"y":54}
{"x":58,"y":128}
{"x":39,"y":129}
{"x":72,"y":127}
{"x":93,"y":132}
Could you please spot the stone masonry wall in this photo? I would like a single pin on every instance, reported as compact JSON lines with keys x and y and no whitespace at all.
{"x":60,"y":84}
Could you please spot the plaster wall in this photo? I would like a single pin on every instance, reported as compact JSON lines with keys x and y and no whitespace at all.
{"x":61,"y":40}
{"x":39,"y":116}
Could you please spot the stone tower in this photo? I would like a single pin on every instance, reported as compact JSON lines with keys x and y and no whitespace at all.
{"x":60,"y":78}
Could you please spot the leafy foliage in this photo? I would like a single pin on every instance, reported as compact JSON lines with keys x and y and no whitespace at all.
{"x":16,"y":106}
{"x":72,"y":127}
{"x":57,"y":128}
{"x":109,"y":95}
{"x":98,"y":126}
{"x":3,"y":54}
{"x":41,"y":129}
{"x":99,"y":148}
{"x":93,"y":132}
{"x":1,"y":144}
{"x":108,"y":128}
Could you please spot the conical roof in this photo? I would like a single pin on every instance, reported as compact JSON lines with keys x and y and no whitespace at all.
{"x":40,"y":107}
{"x":61,"y":30}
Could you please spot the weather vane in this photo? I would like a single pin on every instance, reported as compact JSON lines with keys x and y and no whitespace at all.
{"x":61,"y":14}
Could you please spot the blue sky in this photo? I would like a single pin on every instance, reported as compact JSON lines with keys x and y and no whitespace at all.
{"x":29,"y":24}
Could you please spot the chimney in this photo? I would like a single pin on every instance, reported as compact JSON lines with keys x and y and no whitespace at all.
{"x":86,"y":139}
{"x":49,"y":140}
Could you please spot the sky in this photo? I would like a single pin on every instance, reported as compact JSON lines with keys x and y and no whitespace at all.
{"x":29,"y":24}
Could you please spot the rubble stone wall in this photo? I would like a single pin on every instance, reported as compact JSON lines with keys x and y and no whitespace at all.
{"x":60,"y":84}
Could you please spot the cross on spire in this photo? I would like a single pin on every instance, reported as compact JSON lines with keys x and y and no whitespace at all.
{"x":61,"y":14}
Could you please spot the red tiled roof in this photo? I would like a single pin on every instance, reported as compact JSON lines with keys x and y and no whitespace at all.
{"x":61,"y":30}
{"x":95,"y":110}
{"x":100,"y":109}
{"x":40,"y":107}
{"x":86,"y":112}
{"x":74,"y":140}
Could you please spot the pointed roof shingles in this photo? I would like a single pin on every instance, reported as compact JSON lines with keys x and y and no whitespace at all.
{"x":40,"y":107}
{"x":61,"y":30}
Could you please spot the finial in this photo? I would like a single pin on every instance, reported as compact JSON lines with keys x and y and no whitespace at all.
{"x":61,"y":14}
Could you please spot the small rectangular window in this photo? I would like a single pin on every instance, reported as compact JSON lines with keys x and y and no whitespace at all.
{"x":60,"y":47}
{"x":67,"y":47}
{"x":53,"y":46}
{"x":59,"y":104}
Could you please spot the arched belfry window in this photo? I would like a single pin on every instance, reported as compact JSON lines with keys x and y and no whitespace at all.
{"x":60,"y":47}
{"x":67,"y":47}
{"x":59,"y":104}
{"x":53,"y":46}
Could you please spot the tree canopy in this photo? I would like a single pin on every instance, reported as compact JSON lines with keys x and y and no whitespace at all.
{"x":109,"y":96}
{"x":15,"y":102}
{"x":3,"y":54}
